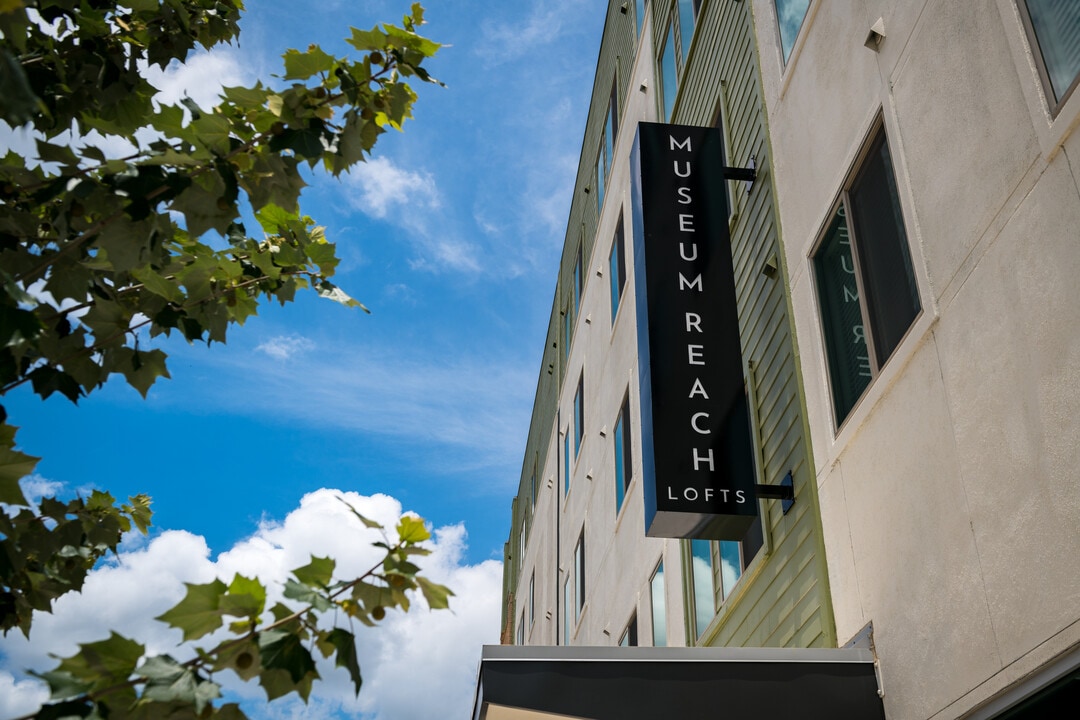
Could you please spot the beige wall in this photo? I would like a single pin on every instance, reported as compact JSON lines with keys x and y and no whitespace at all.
{"x":949,"y":498}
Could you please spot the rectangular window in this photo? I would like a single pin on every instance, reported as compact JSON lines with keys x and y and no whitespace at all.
{"x":601,"y":174}
{"x":715,"y":569}
{"x":1054,"y":26}
{"x":617,"y":268}
{"x":629,"y":636}
{"x":701,"y":578}
{"x":789,"y":18}
{"x":639,"y":13}
{"x":668,"y":75}
{"x":532,"y":485}
{"x":566,"y":612}
{"x":865,"y":282}
{"x":523,"y":537}
{"x":624,"y":469}
{"x":578,"y":281}
{"x":659,"y":607}
{"x":611,"y":129}
{"x":676,"y":50}
{"x":579,"y":576}
{"x":579,"y":413}
{"x":521,"y":630}
{"x":566,"y":461}
{"x":532,"y":599}
{"x":568,"y":329}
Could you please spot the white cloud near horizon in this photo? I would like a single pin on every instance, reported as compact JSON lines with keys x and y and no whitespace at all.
{"x":416,"y":665}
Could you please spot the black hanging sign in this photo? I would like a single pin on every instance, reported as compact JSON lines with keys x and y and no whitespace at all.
{"x":698,"y":474}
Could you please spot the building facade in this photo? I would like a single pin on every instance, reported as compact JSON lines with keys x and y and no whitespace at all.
{"x":579,"y":567}
{"x":904,"y":267}
{"x":925,"y":161}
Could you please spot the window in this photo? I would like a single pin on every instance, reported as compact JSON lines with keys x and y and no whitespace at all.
{"x":640,"y":15}
{"x":715,"y":569}
{"x":1054,"y":26}
{"x":532,"y":599}
{"x":701,"y":578}
{"x":789,"y":17}
{"x":617,"y":268}
{"x":573,"y":304}
{"x":521,"y":630}
{"x":579,"y":413}
{"x":676,"y":49}
{"x":523,"y":536}
{"x":659,"y":607}
{"x":532,"y":485}
{"x":601,"y":173}
{"x":866,"y":288}
{"x":668,"y":75}
{"x":566,"y":461}
{"x":607,"y":145}
{"x":579,"y":576}
{"x":566,"y":612}
{"x":624,"y":469}
{"x":629,"y":636}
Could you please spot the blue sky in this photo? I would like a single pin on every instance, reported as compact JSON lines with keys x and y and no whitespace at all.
{"x":451,"y":236}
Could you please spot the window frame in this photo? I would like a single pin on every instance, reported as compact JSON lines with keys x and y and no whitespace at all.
{"x":629,"y":637}
{"x":532,"y":600}
{"x":617,"y":268}
{"x":624,"y":463}
{"x":786,"y":57}
{"x":876,"y":136}
{"x":658,"y":572}
{"x":1035,"y":46}
{"x":579,"y":577}
{"x":579,"y":415}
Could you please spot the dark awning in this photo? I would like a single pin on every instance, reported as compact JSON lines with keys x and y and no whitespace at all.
{"x":618,"y":683}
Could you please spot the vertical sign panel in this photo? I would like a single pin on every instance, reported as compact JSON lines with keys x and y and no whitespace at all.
{"x":698,"y":467}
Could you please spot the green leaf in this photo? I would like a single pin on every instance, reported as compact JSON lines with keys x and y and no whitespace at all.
{"x":345,"y":644}
{"x":302,"y":65}
{"x":295,"y":591}
{"x":140,"y":511}
{"x":317,"y":573}
{"x":246,"y":597}
{"x":330,"y":291}
{"x":14,"y":466}
{"x":104,"y":663}
{"x":62,"y":154}
{"x":199,"y":612}
{"x":367,"y":522}
{"x":142,"y":367}
{"x":437,"y":596}
{"x":411,"y":529}
{"x":365,"y":40}
{"x":281,"y":650}
{"x":18,"y":103}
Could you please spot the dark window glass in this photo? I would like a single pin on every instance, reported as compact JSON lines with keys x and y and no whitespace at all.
{"x":1056,"y":24}
{"x":629,"y":636}
{"x":865,"y":281}
{"x":623,"y":467}
{"x":892,"y":300}
{"x":579,"y":576}
{"x":640,"y":14}
{"x":579,"y":414}
{"x":617,"y":268}
{"x":841,"y":316}
{"x":566,"y":462}
{"x":668,"y":75}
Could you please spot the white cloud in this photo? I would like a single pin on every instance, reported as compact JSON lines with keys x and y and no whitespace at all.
{"x":284,"y":347}
{"x":201,"y":77}
{"x":411,"y":200}
{"x":385,"y":187}
{"x":35,"y":487}
{"x":419,"y":664}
